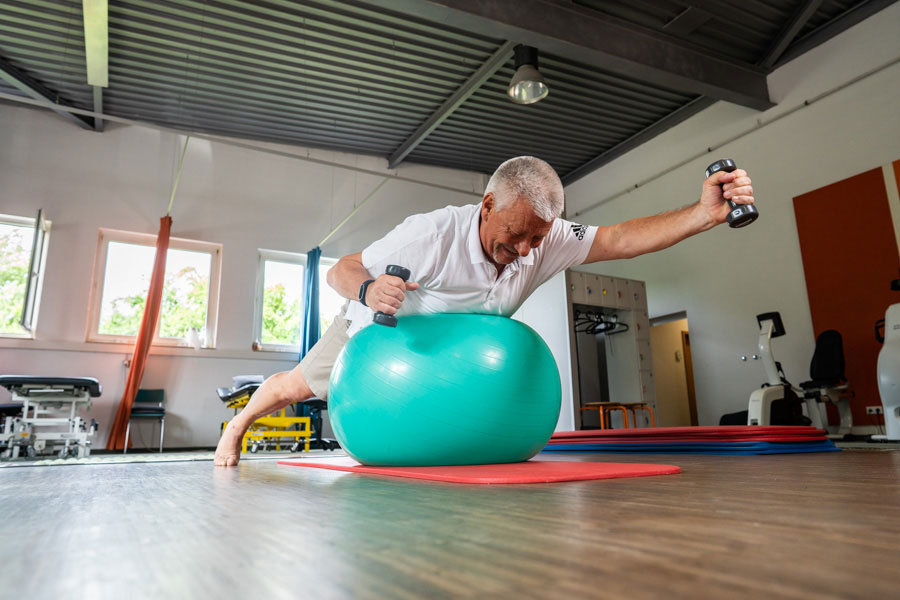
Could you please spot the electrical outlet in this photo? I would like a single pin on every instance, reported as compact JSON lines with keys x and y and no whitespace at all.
{"x":874,"y":410}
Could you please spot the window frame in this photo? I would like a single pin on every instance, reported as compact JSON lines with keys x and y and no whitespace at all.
{"x":279,"y":256}
{"x":34,"y":298}
{"x":35,"y":282}
{"x":106,"y":235}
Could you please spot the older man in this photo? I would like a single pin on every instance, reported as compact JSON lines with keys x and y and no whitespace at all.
{"x":481,"y":258}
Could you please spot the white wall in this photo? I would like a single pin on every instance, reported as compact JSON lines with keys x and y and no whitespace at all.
{"x":545,"y":312}
{"x":245,"y":199}
{"x":724,"y":277}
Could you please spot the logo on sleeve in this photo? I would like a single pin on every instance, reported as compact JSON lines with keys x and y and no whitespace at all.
{"x":579,"y":230}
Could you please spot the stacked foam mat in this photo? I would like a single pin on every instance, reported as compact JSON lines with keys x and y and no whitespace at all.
{"x":695,"y":440}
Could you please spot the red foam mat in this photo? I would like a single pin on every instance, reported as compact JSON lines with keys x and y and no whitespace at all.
{"x":532,"y":471}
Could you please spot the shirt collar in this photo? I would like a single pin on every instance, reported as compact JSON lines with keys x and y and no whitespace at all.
{"x":476,"y":252}
{"x":473,"y":243}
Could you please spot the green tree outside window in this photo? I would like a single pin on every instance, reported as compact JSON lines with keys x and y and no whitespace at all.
{"x":15,"y":255}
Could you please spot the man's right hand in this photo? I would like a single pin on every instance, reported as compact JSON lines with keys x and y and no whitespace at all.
{"x":387,"y":293}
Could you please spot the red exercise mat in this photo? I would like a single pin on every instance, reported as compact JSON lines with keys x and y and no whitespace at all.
{"x":723,"y":432}
{"x":532,"y":471}
{"x":676,"y":439}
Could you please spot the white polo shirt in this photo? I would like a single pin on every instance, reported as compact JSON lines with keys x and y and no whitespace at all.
{"x":442,"y":249}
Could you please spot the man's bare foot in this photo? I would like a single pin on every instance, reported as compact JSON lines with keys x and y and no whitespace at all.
{"x":228,"y":452}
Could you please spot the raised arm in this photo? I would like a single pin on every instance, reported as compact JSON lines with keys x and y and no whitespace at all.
{"x":649,"y":234}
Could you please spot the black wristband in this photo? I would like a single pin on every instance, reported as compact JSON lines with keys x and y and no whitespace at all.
{"x":362,"y":291}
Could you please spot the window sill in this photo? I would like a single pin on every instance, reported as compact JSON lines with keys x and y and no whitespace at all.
{"x":157,"y":343}
{"x":276,"y":348}
{"x":29,"y":344}
{"x":16,"y":336}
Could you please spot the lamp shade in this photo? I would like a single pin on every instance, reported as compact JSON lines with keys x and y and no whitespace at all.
{"x":527,"y":85}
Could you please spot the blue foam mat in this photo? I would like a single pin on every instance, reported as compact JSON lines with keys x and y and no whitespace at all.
{"x":701,"y":447}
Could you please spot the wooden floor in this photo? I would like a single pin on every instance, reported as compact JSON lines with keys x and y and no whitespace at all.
{"x":788,"y":526}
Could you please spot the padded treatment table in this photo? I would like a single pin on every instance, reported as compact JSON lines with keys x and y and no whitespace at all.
{"x":268,"y":431}
{"x":237,"y":396}
{"x":49,"y":415}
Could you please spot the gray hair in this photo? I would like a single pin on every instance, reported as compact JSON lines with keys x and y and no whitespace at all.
{"x":531,"y":179}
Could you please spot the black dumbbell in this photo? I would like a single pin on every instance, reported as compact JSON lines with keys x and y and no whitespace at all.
{"x":384,"y":318}
{"x":741,"y":214}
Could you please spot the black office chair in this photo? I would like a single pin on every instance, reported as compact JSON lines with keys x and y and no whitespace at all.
{"x":828,"y":383}
{"x":827,"y":366}
{"x":313,"y":408}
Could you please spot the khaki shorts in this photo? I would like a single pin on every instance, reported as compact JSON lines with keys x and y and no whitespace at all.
{"x":317,"y":364}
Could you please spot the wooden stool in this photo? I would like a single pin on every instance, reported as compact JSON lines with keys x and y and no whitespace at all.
{"x":600,"y":413}
{"x":636,"y":406}
{"x":603,"y":409}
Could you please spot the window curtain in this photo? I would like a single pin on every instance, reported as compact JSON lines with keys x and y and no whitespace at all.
{"x":116,"y":440}
{"x":311,"y":331}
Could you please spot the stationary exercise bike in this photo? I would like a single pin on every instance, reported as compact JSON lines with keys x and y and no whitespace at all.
{"x":776,"y":388}
{"x":887,"y":330}
{"x":827,"y":382}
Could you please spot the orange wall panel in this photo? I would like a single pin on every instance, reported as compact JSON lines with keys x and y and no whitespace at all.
{"x":849,"y":259}
{"x":897,"y":173}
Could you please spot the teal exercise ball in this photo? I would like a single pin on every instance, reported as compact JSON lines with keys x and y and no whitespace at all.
{"x":444,"y":389}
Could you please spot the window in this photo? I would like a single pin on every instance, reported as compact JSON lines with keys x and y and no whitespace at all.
{"x":281,"y":278}
{"x":23,"y":254}
{"x":122,"y":274}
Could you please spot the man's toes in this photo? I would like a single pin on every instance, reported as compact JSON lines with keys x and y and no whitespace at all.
{"x":229,"y":460}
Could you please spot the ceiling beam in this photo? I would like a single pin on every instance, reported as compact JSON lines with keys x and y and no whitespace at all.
{"x":687,"y":21}
{"x":837,"y":25}
{"x":790,"y":31}
{"x":25,"y":83}
{"x":671,"y":120}
{"x":588,"y":37}
{"x":475,"y":81}
{"x":98,"y":108}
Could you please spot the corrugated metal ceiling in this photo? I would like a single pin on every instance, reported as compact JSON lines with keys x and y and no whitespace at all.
{"x":363,"y":76}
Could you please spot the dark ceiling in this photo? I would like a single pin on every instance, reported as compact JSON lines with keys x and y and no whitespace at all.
{"x":415,"y":80}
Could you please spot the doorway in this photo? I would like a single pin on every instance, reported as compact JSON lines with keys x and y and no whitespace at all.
{"x":676,"y":403}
